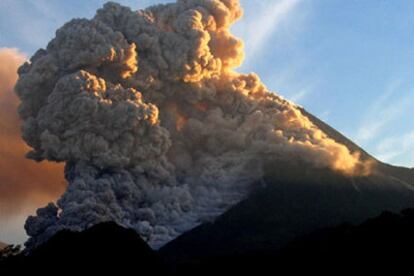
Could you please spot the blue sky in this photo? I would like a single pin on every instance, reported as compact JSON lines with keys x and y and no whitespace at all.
{"x":348,"y":62}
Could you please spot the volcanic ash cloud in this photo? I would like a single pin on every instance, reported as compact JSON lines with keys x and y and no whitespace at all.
{"x":156,"y":130}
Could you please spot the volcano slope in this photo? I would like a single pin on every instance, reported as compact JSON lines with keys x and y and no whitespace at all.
{"x":294,"y":201}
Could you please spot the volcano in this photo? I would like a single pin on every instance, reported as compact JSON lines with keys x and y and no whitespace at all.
{"x":295,"y":201}
{"x":159,"y":133}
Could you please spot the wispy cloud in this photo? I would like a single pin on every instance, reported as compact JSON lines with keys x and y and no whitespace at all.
{"x":324,"y":115}
{"x":379,"y":129}
{"x":258,"y":28}
{"x":268,"y":23}
{"x":300,"y":95}
{"x":303,"y":91}
{"x":29,"y":24}
{"x":392,"y":148}
{"x":385,"y":110}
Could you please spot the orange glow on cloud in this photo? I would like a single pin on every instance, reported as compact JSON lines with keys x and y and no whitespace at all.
{"x":181,"y":121}
{"x":201,"y":106}
{"x":24,"y":183}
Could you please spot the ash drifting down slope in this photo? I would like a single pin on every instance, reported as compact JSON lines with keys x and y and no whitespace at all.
{"x":157,"y":131}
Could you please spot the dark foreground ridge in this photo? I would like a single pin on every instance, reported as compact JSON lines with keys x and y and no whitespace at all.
{"x":382,"y":242}
{"x":101,"y":248}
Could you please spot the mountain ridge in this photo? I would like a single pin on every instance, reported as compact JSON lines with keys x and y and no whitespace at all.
{"x":298,"y":199}
{"x":101,"y":248}
{"x":377,"y":243}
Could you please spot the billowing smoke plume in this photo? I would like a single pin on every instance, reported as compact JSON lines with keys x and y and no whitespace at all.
{"x":23,"y":183}
{"x":156,"y":130}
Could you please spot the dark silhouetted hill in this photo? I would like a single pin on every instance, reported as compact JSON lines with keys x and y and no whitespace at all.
{"x":377,"y":245}
{"x":102,"y":248}
{"x":380,"y":245}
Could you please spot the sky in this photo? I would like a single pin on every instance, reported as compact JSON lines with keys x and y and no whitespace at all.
{"x":347,"y":62}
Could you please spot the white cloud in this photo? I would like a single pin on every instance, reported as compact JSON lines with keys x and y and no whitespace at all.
{"x":268,"y":23}
{"x":385,"y":110}
{"x":299,"y":96}
{"x":379,"y":127}
{"x":388,"y":149}
{"x":257,"y":28}
{"x":325,"y":115}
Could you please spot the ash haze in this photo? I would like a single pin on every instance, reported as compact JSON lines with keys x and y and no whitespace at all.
{"x":23,"y":184}
{"x":113,"y":81}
